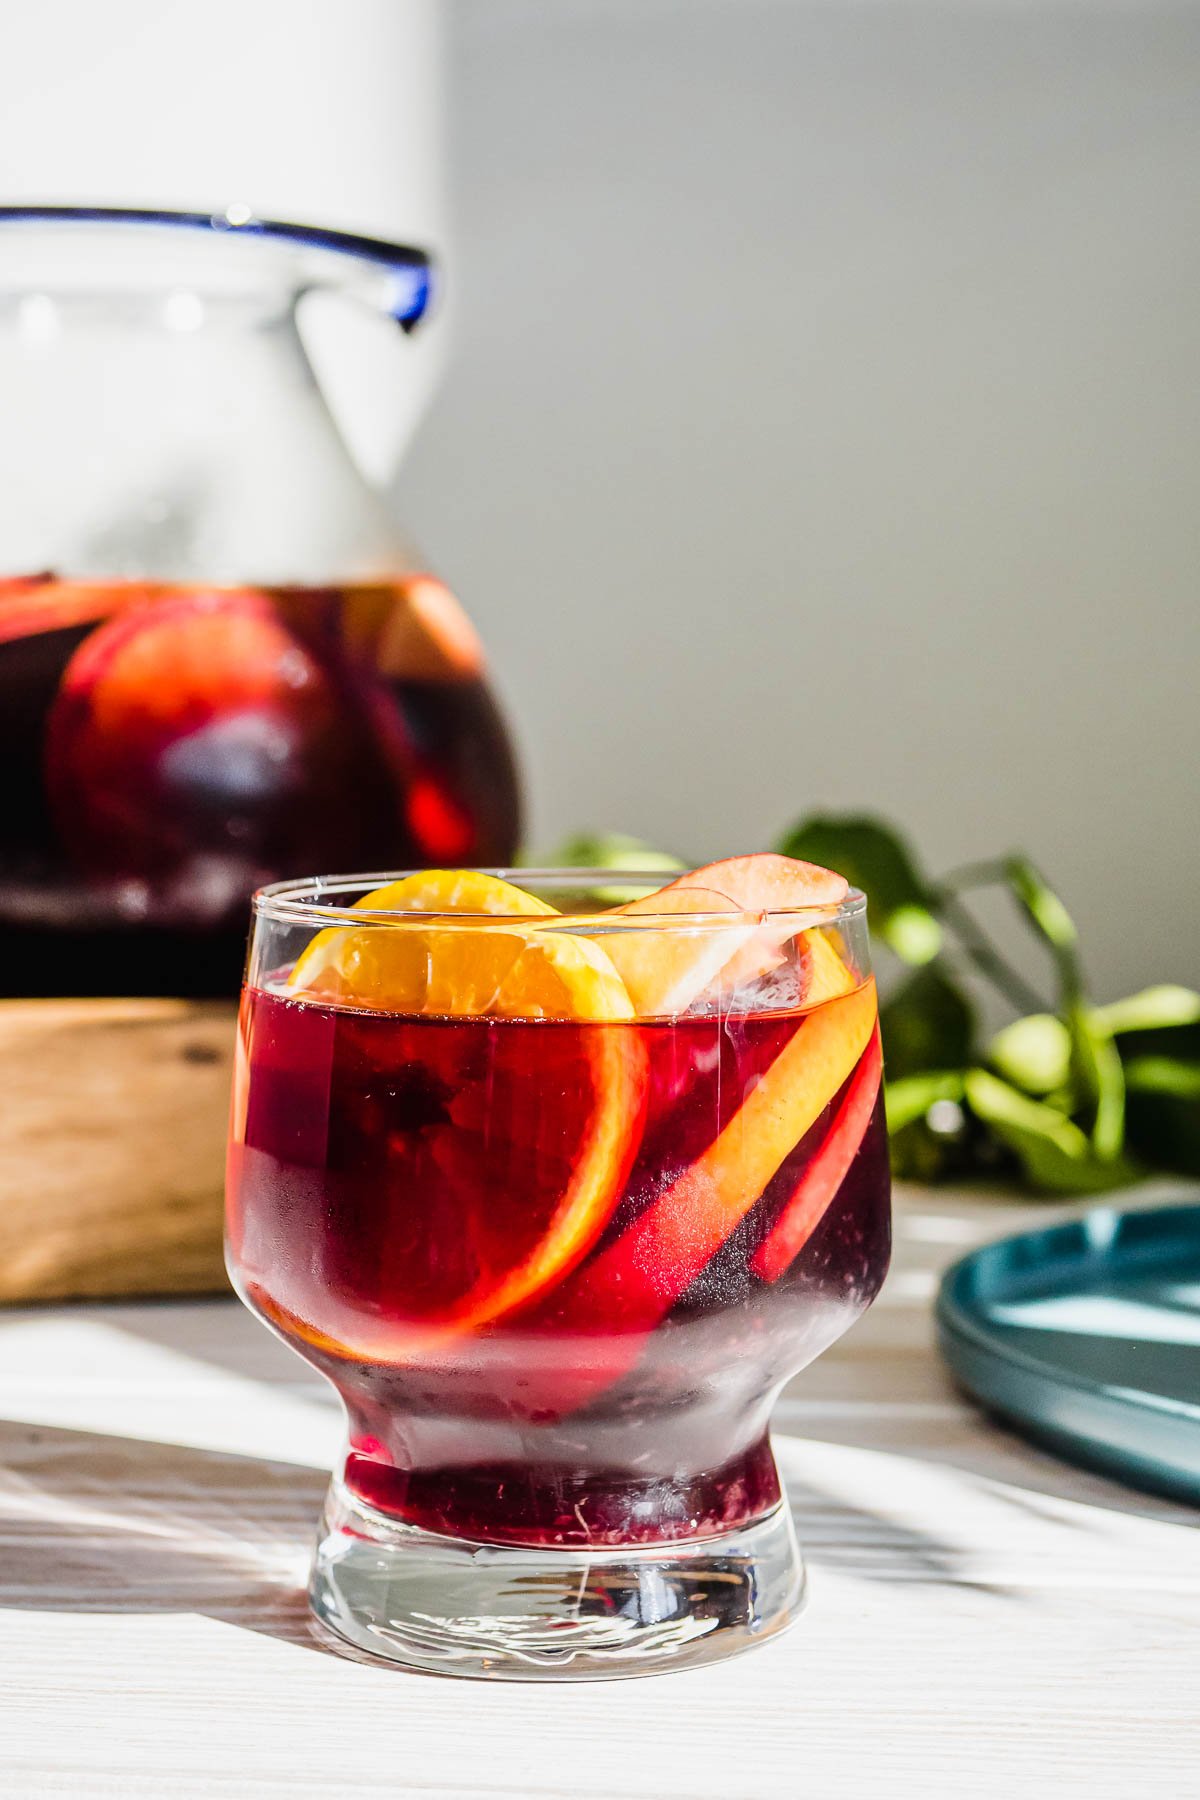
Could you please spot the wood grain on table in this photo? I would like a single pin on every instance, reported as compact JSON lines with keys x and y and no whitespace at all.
{"x":984,"y":1620}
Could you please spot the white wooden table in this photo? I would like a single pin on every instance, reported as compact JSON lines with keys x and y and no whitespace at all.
{"x":983,"y":1620}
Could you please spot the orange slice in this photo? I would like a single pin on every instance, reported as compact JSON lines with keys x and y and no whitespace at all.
{"x":34,"y":603}
{"x":505,"y":971}
{"x":412,"y":628}
{"x":538,"y":1127}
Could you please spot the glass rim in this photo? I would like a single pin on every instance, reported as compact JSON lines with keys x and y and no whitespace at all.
{"x":296,"y":902}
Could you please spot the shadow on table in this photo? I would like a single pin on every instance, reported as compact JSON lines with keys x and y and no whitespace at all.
{"x":92,"y":1523}
{"x":839,"y":1534}
{"x":97,"y":1523}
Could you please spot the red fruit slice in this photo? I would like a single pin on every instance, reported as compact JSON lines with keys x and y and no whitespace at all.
{"x":810,"y":1199}
{"x":619,"y":1298}
{"x":199,"y":726}
{"x":439,"y":822}
{"x":666,"y":971}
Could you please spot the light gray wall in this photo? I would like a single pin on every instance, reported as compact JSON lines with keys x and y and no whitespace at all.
{"x":822,"y":427}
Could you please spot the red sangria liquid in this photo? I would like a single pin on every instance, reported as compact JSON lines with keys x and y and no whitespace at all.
{"x":168,"y":748}
{"x":390,"y":1174}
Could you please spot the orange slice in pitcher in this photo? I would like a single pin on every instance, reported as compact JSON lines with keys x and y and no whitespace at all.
{"x":515,"y":1144}
{"x":412,"y":628}
{"x":36,"y":603}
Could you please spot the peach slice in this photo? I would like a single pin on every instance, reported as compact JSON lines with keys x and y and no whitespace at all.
{"x":666,"y":971}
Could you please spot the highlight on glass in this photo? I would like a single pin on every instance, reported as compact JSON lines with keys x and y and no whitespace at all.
{"x":558,"y":1179}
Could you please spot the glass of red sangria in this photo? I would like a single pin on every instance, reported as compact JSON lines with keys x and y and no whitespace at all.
{"x":558,"y":1179}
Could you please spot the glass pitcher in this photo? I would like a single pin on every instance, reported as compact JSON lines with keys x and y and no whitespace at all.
{"x":219,"y":662}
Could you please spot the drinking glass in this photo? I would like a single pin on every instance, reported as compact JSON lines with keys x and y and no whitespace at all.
{"x":557,"y":1267}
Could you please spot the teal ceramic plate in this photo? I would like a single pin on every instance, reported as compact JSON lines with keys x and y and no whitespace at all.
{"x":1087,"y":1337}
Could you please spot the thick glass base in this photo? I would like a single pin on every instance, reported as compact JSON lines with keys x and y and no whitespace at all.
{"x":455,"y":1607}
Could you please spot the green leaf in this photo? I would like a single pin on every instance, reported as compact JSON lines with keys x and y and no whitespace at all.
{"x":1153,"y":1009}
{"x":1033,"y":1053}
{"x":913,"y":933}
{"x":875,"y":858}
{"x":933,"y":1136}
{"x":1055,"y":1154}
{"x":1051,"y":919}
{"x":1099,"y":1077}
{"x":607,"y":850}
{"x":928,"y":1023}
{"x":1095,"y":1064}
{"x":1164,"y":1075}
{"x":1163,"y":1106}
{"x":1160,"y":1021}
{"x":918,"y":1155}
{"x":911,"y":1097}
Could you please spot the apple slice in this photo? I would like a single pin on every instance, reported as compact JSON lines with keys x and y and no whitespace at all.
{"x":666,"y":971}
{"x":610,"y":1306}
{"x":810,"y":1199}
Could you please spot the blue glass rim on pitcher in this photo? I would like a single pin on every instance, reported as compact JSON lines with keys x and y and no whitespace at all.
{"x":409,"y":272}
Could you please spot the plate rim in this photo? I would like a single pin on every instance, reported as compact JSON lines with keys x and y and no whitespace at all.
{"x":954,"y":1318}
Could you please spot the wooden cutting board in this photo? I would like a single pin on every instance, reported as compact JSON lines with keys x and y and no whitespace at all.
{"x":113,"y":1116}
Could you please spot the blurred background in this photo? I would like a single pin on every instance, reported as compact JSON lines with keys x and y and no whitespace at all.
{"x":819,"y":427}
{"x":808,"y":419}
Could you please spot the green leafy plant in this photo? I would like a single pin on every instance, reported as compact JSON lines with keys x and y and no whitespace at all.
{"x":1069,"y":1097}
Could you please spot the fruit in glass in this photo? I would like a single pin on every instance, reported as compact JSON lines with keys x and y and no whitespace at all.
{"x":169,"y":747}
{"x":558,"y":1183}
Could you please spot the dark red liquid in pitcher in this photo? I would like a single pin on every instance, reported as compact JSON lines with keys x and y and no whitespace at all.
{"x":166,"y":749}
{"x":384,"y":1167}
